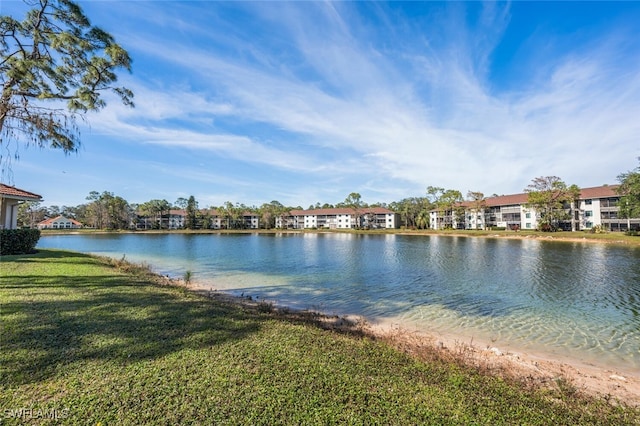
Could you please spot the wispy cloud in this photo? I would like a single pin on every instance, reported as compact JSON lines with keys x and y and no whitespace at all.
{"x":370,"y":97}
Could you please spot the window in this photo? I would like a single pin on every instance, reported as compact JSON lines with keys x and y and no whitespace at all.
{"x":528,"y":215}
{"x":528,"y":225}
{"x":588,"y":225}
{"x":588,"y":202}
{"x":588,"y":213}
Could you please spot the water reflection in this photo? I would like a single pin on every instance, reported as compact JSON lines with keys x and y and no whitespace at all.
{"x":583,"y":299}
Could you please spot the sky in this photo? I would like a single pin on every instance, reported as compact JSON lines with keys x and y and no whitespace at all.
{"x":305,"y":102}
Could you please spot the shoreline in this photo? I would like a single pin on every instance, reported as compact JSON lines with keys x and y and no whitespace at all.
{"x":530,"y":368}
{"x":575,"y":237}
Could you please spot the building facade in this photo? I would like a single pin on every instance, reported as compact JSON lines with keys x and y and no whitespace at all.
{"x":596,"y":207}
{"x":339,"y":218}
{"x":207,"y":219}
{"x":10,"y":198}
{"x":59,"y":222}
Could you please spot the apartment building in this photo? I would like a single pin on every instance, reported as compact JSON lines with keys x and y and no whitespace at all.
{"x":597,"y":206}
{"x":208,"y":219}
{"x":340,"y":218}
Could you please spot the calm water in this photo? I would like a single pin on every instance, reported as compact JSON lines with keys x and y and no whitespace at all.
{"x":566,"y":299}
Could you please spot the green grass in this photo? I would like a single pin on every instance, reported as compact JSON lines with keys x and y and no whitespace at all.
{"x":101,"y":342}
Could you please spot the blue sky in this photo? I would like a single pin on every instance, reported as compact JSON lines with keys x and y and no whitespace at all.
{"x":306,"y":102}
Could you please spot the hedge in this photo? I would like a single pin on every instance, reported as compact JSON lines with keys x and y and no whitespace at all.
{"x":18,"y":241}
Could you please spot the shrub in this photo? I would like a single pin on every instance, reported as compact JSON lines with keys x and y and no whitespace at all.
{"x":598,"y":229}
{"x":633,"y":233}
{"x":18,"y":241}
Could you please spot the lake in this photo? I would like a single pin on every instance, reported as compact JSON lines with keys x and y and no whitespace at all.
{"x":564,"y":299}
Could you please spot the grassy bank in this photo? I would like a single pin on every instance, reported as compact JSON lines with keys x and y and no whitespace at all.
{"x":96,"y":341}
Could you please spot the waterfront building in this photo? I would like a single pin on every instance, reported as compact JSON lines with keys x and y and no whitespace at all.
{"x":596,"y":207}
{"x":207,"y":219}
{"x":340,"y":218}
{"x":59,"y":222}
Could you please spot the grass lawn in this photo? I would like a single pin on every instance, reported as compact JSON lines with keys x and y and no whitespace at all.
{"x":94,"y":341}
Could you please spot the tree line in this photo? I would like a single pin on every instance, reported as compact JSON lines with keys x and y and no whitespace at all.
{"x":550,"y":197}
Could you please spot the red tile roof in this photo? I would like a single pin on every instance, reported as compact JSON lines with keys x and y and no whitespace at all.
{"x":7,"y":191}
{"x":344,"y":210}
{"x":507,"y":200}
{"x":605,"y":191}
{"x":53,"y":219}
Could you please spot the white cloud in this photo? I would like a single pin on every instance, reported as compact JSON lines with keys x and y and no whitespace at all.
{"x":325,"y":96}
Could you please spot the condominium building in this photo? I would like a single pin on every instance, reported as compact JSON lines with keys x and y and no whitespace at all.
{"x":340,"y":218}
{"x":207,"y":219}
{"x":596,"y":207}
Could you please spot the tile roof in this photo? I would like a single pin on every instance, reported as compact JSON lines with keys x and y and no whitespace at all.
{"x":17,"y":193}
{"x":604,"y":191}
{"x":343,"y":210}
{"x":57,"y":218}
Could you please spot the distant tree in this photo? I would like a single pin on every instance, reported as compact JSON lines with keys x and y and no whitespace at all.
{"x":629,"y":189}
{"x":181,"y":203}
{"x":53,"y":211}
{"x":30,"y":213}
{"x":422,"y":220}
{"x":551,"y":198}
{"x":269,"y":212}
{"x":95,"y":214}
{"x":354,"y":201}
{"x":410,"y":209}
{"x":448,"y":204}
{"x":54,"y":56}
{"x":156,"y":209}
{"x":478,"y":204}
{"x":434,"y":193}
{"x":68,"y":211}
{"x":191,"y":211}
{"x":108,"y":211}
{"x":232,"y":214}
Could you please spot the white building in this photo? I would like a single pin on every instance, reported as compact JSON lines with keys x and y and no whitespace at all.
{"x":59,"y":222}
{"x":340,"y":218}
{"x":597,"y":206}
{"x":207,"y":219}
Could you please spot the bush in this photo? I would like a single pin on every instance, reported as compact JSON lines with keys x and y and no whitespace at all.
{"x":18,"y":241}
{"x":633,"y":233}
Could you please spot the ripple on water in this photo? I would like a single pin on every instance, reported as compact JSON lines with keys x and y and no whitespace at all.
{"x":582,"y":299}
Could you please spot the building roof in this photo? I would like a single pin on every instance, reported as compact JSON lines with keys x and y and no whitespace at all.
{"x":604,"y":191}
{"x":343,"y":210}
{"x":58,"y":219}
{"x":507,"y":200}
{"x":7,"y":191}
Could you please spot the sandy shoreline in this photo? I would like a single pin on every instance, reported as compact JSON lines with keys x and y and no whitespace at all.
{"x":532,"y":369}
{"x":536,"y":369}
